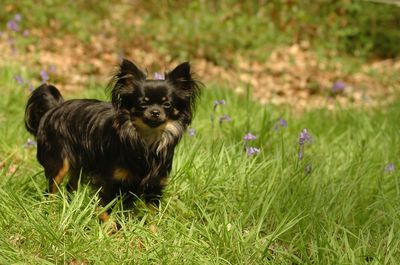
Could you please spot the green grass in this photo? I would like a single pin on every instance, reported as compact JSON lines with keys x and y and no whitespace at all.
{"x":335,"y":206}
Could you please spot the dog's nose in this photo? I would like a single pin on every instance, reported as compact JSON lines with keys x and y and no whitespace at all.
{"x":155,"y":113}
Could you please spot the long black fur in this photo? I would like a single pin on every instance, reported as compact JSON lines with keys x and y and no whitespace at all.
{"x":125,"y":146}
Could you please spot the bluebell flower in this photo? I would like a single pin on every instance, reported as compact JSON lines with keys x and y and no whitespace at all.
{"x":19,"y":79}
{"x":218,"y":102}
{"x":282,"y":123}
{"x":304,"y":138}
{"x":158,"y":76}
{"x":45,"y":77}
{"x":13,"y":25}
{"x":250,"y":151}
{"x":249,"y":137}
{"x":225,"y":117}
{"x":338,"y":87}
{"x":191,"y":132}
{"x":30,"y":144}
{"x":390,"y":167}
{"x":18,"y":17}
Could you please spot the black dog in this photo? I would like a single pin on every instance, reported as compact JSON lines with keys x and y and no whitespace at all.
{"x":123,"y":147}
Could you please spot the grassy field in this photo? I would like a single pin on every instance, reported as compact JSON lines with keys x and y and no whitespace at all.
{"x":286,"y":197}
{"x":337,"y":204}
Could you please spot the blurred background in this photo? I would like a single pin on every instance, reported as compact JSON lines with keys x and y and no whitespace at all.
{"x":303,"y":53}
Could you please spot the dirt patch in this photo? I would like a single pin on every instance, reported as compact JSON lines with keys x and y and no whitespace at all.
{"x":292,"y":75}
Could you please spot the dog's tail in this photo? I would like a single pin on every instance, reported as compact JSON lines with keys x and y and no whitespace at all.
{"x":41,"y":101}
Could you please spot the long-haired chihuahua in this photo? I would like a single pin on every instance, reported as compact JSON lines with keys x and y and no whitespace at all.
{"x":123,"y":147}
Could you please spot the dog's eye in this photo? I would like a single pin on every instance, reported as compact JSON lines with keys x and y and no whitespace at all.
{"x":143,"y":106}
{"x":167,"y":105}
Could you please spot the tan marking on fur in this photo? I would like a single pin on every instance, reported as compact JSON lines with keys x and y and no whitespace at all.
{"x":59,"y":177}
{"x":104,"y":217}
{"x":173,"y":127}
{"x":150,"y":135}
{"x":121,"y":174}
{"x":176,"y":112}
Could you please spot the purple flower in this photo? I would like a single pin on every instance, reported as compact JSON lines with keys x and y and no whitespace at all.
{"x":249,"y":137}
{"x":17,"y":17}
{"x":158,"y":76}
{"x":304,"y":137}
{"x":218,"y":102}
{"x":30,"y":144}
{"x":191,"y":132}
{"x":338,"y":87}
{"x":225,"y":118}
{"x":19,"y":79}
{"x":45,"y":77}
{"x":250,"y":151}
{"x":13,"y":25}
{"x":25,"y":33}
{"x":390,"y":167}
{"x":282,"y":123}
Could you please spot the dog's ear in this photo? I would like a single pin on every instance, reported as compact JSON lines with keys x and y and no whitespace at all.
{"x":181,"y":73}
{"x":130,"y":70}
{"x":126,"y":80}
{"x":182,"y":79}
{"x":186,"y":87}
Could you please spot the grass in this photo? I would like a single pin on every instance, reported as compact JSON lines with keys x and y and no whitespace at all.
{"x":337,"y":205}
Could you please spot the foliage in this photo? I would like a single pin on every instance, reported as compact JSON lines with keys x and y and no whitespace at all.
{"x":217,"y":30}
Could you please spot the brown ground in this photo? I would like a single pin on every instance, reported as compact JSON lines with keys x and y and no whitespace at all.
{"x":292,"y":75}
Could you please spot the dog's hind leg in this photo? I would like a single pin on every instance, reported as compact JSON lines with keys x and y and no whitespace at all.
{"x":55,"y":173}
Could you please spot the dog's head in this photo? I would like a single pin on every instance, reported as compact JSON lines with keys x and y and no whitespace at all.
{"x":154,"y":103}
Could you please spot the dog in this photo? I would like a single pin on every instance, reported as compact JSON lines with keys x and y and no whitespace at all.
{"x":123,"y":147}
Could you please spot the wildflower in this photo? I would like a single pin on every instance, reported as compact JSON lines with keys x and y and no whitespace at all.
{"x":19,"y":79}
{"x":390,"y":167}
{"x":45,"y":77}
{"x":249,"y":137}
{"x":25,"y":33}
{"x":30,"y":144}
{"x":250,"y":151}
{"x":225,"y":118}
{"x":13,"y":25}
{"x":304,"y":138}
{"x":218,"y":102}
{"x":338,"y":87}
{"x":158,"y":76}
{"x":191,"y":132}
{"x":282,"y":123}
{"x":17,"y":17}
